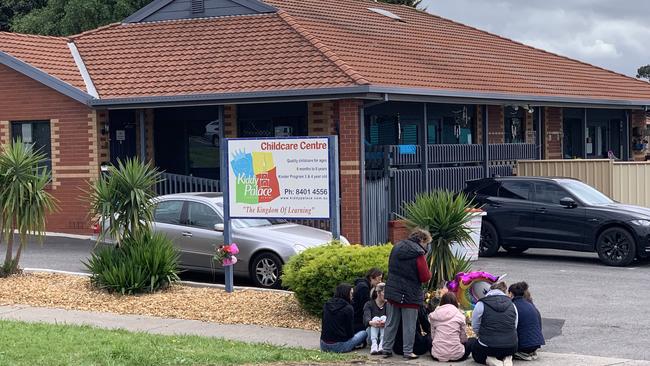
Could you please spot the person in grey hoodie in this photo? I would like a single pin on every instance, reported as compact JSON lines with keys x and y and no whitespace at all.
{"x":448,"y":331}
{"x":494,"y":320}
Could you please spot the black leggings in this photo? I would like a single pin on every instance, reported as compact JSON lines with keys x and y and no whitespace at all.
{"x":480,"y":352}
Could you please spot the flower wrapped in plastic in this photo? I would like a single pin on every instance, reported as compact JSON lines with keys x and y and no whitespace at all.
{"x":225,"y":254}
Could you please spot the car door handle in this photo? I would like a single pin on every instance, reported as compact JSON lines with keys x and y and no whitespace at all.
{"x":187,"y":234}
{"x":541,"y":210}
{"x":495,"y":205}
{"x":592,"y":220}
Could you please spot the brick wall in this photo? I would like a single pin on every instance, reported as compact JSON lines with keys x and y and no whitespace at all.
{"x":230,"y":121}
{"x":347,"y":114}
{"x":103,"y":146}
{"x":478,"y":139}
{"x":320,"y":116}
{"x":529,"y":128}
{"x":495,"y":124}
{"x":553,"y":133}
{"x":148,"y":133}
{"x":74,"y":139}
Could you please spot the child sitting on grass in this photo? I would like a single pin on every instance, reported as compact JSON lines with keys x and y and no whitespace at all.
{"x":374,"y":317}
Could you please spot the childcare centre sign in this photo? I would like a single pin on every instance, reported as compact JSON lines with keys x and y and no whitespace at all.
{"x":279,"y":178}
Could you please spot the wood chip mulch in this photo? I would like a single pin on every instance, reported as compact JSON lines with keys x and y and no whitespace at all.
{"x":183,"y":302}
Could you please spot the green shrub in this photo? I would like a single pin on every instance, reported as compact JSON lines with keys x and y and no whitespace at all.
{"x":314,"y":273}
{"x":145,"y":263}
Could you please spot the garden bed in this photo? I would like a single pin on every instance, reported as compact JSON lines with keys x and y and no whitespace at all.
{"x":254,"y":307}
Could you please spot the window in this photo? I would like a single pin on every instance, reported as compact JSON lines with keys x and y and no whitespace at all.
{"x":202,"y":216}
{"x":515,"y":190}
{"x":549,"y":193}
{"x":35,"y":135}
{"x":585,"y":193}
{"x":168,"y":212}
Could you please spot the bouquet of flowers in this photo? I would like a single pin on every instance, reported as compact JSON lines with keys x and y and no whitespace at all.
{"x":226,"y":254}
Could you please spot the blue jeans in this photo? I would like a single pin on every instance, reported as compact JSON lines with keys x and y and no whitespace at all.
{"x":344,"y":347}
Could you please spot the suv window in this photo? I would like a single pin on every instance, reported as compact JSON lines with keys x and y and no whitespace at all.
{"x":168,"y":212}
{"x":549,"y":193}
{"x":515,"y":189}
{"x":202,"y":216}
{"x":490,"y":189}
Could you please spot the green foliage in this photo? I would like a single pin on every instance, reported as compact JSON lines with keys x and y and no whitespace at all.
{"x":24,"y":202}
{"x":145,"y":263}
{"x":643,"y":72}
{"x":445,"y":215}
{"x":411,"y":3}
{"x":459,"y":264}
{"x":314,"y":273}
{"x":125,"y":199}
{"x":67,"y":17}
{"x":13,"y":8}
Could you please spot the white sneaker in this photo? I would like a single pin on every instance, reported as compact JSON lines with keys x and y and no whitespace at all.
{"x":493,"y":361}
{"x":507,"y":361}
{"x":380,"y":348}
{"x":534,"y":355}
{"x":374,"y":349}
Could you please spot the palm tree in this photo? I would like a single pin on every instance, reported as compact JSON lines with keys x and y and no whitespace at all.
{"x":24,"y":202}
{"x":124,"y":199}
{"x":445,"y":216}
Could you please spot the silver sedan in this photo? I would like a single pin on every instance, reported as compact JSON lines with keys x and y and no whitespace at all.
{"x":194,"y":222}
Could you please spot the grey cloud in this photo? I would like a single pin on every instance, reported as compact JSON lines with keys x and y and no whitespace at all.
{"x":606,"y":33}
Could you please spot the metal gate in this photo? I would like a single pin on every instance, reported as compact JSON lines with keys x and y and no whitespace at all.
{"x":377,"y":208}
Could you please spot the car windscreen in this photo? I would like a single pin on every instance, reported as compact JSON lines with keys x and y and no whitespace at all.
{"x":245,"y":223}
{"x":585,"y":193}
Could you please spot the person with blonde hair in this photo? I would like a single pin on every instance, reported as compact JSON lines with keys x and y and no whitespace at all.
{"x":407,"y":271}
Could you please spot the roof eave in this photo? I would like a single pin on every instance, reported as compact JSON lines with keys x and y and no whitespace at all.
{"x":237,"y":98}
{"x":45,"y":78}
{"x":438,"y":95}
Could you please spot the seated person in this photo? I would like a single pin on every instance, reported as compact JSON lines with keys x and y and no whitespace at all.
{"x":448,"y":331}
{"x":529,"y":328}
{"x":374,"y":318}
{"x":337,"y":334}
{"x":362,"y":295}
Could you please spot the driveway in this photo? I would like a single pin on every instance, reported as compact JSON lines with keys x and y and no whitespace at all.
{"x":588,"y":308}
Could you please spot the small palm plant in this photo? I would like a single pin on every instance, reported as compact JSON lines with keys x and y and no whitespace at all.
{"x":124,"y":199}
{"x":24,"y":202}
{"x":445,"y":215}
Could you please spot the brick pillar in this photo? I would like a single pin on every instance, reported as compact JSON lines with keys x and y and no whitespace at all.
{"x":149,"y":116}
{"x":230,"y":121}
{"x":553,"y":134}
{"x":349,"y":148}
{"x":638,"y":120}
{"x":319,"y":118}
{"x":478,"y":139}
{"x":495,"y":124}
{"x":4,"y":132}
{"x":529,"y":128}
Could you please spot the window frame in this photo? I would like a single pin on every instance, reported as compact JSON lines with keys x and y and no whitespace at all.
{"x":186,"y":221}
{"x":554,"y":184}
{"x":180,"y":217}
{"x":530,"y":190}
{"x":16,"y":125}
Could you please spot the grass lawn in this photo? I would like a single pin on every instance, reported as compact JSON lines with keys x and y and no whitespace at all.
{"x":52,"y":345}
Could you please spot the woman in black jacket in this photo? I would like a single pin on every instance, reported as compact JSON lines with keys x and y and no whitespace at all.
{"x":337,"y":334}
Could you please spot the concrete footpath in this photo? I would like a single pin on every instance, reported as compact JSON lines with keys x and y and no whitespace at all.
{"x":253,"y":334}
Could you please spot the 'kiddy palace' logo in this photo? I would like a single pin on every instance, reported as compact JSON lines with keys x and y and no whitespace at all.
{"x":256,"y":180}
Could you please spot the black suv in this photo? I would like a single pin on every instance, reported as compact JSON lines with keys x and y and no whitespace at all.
{"x":558,"y":213}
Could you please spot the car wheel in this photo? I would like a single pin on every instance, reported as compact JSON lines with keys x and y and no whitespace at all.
{"x":515,"y":250}
{"x":616,"y":247}
{"x":266,"y":269}
{"x":489,"y":245}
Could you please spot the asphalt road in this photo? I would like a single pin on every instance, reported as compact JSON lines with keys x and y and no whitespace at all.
{"x":588,"y":308}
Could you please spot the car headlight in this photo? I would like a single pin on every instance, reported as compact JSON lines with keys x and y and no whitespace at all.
{"x":299,"y":248}
{"x":641,"y":222}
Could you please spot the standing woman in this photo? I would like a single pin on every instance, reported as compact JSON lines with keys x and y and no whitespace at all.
{"x":337,"y":334}
{"x":407,"y":271}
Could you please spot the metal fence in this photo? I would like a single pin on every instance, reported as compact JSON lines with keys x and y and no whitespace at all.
{"x":174,"y":183}
{"x":394,"y":176}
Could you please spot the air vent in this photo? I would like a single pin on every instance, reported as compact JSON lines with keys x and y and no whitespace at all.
{"x":198,"y":6}
{"x":385,"y":13}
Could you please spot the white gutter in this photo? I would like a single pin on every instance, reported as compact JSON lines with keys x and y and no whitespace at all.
{"x":90,"y":87}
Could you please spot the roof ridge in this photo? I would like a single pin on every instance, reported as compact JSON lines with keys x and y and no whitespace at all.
{"x":91,"y":31}
{"x":26,"y":35}
{"x":188,"y":20}
{"x":527,"y":46}
{"x":321,"y":47}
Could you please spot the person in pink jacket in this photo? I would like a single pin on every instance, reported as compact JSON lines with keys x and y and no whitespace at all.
{"x":449,"y":339}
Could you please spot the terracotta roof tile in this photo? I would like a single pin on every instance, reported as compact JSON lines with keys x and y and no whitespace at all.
{"x":49,"y":54}
{"x":204,"y":56}
{"x":427,"y":51}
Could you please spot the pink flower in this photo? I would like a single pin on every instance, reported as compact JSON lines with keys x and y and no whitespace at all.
{"x":229,"y":261}
{"x":234,"y":249}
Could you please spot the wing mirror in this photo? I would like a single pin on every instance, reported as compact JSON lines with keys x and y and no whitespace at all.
{"x":218,"y":227}
{"x":568,"y":202}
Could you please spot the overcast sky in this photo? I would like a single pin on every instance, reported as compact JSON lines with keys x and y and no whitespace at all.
{"x":608,"y":33}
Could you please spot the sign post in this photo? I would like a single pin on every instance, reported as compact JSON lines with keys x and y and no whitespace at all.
{"x":280,"y":178}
